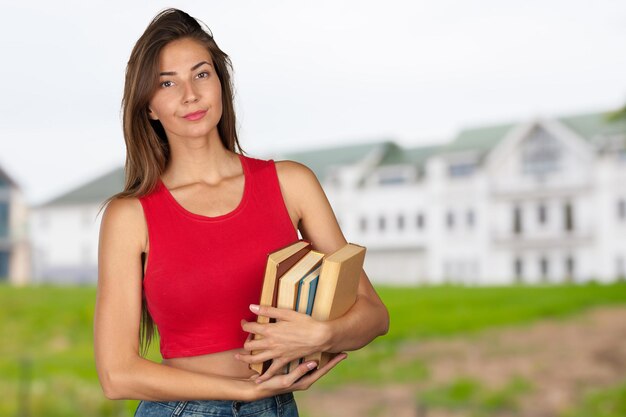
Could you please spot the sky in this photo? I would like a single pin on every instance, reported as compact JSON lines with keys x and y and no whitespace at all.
{"x":307,"y":74}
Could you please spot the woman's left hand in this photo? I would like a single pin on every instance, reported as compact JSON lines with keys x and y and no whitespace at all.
{"x":293,"y":336}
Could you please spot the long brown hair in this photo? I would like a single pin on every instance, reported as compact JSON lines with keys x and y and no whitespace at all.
{"x":147,"y":148}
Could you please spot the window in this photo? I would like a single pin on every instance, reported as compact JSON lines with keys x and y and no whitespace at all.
{"x":4,"y":265}
{"x":568,"y":217}
{"x":363,"y":224}
{"x":450,"y":220}
{"x":620,"y":268}
{"x":398,"y":174}
{"x":400,"y":222}
{"x":518,"y":270}
{"x":470,"y":218}
{"x":541,"y":153}
{"x":419,"y":221}
{"x":542,"y":214}
{"x":4,"y":219}
{"x":392,"y":179}
{"x":544,"y":268}
{"x":382,"y":223}
{"x":517,"y":220}
{"x":621,"y":209}
{"x":570,"y":267}
{"x":461,"y":169}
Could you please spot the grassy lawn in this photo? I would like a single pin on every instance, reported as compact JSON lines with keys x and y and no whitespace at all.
{"x":46,"y":335}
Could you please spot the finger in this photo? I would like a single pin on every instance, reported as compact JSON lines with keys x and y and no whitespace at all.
{"x":253,"y":327}
{"x":301,"y":370}
{"x":257,"y":345}
{"x":254,"y":358}
{"x":273,"y":312}
{"x":276,"y":368}
{"x":307,"y":380}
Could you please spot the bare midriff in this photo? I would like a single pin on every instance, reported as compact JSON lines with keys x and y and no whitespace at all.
{"x":219,"y":363}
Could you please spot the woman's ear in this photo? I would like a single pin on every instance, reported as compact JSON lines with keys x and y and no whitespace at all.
{"x":152,"y":115}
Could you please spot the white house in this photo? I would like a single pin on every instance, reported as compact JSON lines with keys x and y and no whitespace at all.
{"x":14,"y":246}
{"x":64,"y":232}
{"x":539,"y":201}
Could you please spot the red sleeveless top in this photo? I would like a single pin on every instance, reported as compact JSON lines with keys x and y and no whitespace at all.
{"x":204,"y":272}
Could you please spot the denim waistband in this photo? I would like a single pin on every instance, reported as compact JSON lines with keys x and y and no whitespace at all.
{"x":220,"y":407}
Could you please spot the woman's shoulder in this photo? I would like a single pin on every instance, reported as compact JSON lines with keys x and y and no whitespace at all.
{"x":298,"y":181}
{"x":123,"y":210}
{"x":295,"y":171}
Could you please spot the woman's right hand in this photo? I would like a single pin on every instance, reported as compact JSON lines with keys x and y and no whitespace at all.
{"x":300,"y":379}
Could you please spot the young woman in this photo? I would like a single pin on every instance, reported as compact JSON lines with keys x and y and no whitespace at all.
{"x":184,"y":246}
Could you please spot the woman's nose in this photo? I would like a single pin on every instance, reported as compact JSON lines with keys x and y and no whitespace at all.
{"x":190,"y":94}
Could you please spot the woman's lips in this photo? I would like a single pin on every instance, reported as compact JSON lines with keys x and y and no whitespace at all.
{"x":197,"y":115}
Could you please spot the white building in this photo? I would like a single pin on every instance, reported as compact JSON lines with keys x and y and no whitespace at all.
{"x":540,"y":201}
{"x":64,"y":232}
{"x":14,"y":247}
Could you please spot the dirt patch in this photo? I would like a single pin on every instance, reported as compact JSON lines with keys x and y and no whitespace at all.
{"x":561,"y":360}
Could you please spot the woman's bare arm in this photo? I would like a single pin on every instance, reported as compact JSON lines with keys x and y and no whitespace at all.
{"x":123,"y":373}
{"x":296,"y":335}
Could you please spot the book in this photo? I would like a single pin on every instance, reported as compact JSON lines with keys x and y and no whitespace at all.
{"x":305,"y":299}
{"x":328,"y":296}
{"x":337,"y":288}
{"x":289,"y":283}
{"x":278,"y":263}
{"x":306,"y":292}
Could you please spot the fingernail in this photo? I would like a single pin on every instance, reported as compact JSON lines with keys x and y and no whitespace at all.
{"x":311,"y":365}
{"x":254,"y":308}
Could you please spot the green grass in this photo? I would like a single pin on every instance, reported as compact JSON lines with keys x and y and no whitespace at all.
{"x":422,"y":312}
{"x":474,"y":398}
{"x":610,"y":402}
{"x":46,"y":332}
{"x":426,"y":312}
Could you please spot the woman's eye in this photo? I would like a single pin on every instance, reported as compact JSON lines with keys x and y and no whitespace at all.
{"x":203,"y":74}
{"x":167,"y":84}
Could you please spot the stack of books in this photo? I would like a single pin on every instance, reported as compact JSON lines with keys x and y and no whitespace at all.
{"x":323,"y":286}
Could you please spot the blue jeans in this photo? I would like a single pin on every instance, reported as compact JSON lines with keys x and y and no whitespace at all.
{"x":282,"y":405}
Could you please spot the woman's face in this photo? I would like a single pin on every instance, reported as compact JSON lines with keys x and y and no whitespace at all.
{"x":188,"y":99}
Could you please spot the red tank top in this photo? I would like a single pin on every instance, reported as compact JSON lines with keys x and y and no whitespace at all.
{"x":204,"y":272}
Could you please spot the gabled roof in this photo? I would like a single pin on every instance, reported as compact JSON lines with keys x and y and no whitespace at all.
{"x":484,"y":139}
{"x":419,"y":155}
{"x":319,"y":160}
{"x":480,"y":140}
{"x":6,"y":179}
{"x":95,"y":191}
{"x":592,"y":125}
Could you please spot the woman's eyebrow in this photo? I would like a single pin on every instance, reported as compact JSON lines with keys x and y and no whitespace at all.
{"x":195,"y":67}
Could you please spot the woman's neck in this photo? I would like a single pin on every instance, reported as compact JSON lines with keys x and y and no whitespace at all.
{"x":194,"y":160}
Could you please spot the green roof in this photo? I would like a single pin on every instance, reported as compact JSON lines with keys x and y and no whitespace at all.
{"x":590,"y":125}
{"x":420,"y":154}
{"x":319,"y":160}
{"x":484,"y":139}
{"x":478,"y":139}
{"x":95,"y":191}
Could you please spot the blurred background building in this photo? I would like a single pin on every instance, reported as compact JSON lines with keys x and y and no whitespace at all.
{"x":14,"y":245}
{"x":541,"y":200}
{"x":64,"y":232}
